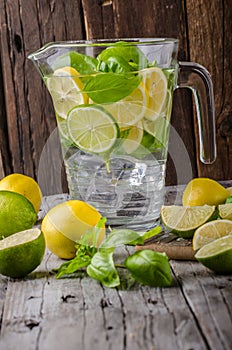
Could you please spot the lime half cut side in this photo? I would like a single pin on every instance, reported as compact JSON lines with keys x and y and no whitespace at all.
{"x":21,"y":253}
{"x":92,"y":128}
{"x":217,"y":255}
{"x":185,"y":220}
{"x":210,"y":231}
{"x":225,"y":211}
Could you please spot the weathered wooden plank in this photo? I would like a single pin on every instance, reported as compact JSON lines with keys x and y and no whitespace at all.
{"x":203,"y":292}
{"x":25,"y":27}
{"x":210,"y":45}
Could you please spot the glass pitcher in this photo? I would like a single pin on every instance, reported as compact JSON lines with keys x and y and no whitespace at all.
{"x":113,"y":103}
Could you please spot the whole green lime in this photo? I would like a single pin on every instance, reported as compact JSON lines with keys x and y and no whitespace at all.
{"x":21,"y":253}
{"x":16,"y":213}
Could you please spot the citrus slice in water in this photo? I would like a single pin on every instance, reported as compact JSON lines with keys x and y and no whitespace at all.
{"x":217,"y":255}
{"x":225,"y":211}
{"x":131,"y":109}
{"x":21,"y":253}
{"x":155,"y":83}
{"x":211,"y":231}
{"x":134,"y":138}
{"x":92,"y":128}
{"x":185,"y":220}
{"x":66,"y":88}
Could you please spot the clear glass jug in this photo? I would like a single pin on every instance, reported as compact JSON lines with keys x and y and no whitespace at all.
{"x":113,"y":103}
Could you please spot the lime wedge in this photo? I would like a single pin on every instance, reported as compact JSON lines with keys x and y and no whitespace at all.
{"x":131,"y":109}
{"x":211,"y":231}
{"x":225,"y":211}
{"x":92,"y":128}
{"x":217,"y":255}
{"x":21,"y":253}
{"x":66,"y":88}
{"x":185,"y":220}
{"x":155,"y":83}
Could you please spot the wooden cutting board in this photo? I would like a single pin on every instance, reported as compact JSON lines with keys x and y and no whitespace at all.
{"x":175,"y":247}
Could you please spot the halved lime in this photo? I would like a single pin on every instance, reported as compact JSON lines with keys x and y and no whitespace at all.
{"x":131,"y":109}
{"x":217,"y":255}
{"x":185,"y":220}
{"x":21,"y":253}
{"x":16,"y":213}
{"x":66,"y":88}
{"x":92,"y":128}
{"x":225,"y":211}
{"x":211,"y":231}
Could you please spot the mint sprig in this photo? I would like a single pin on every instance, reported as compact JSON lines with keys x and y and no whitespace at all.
{"x":146,"y":266}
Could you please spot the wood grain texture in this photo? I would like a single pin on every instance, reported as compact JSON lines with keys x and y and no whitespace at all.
{"x":27,"y":117}
{"x":40,"y":312}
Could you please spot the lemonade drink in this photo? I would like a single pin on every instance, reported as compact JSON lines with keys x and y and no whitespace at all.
{"x":113,"y":113}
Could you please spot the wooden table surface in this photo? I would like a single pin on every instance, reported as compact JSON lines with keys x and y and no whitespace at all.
{"x":41,"y":312}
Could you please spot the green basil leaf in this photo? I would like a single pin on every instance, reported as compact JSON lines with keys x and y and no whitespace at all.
{"x":115,"y":64}
{"x":229,"y":199}
{"x":130,"y":54}
{"x":150,"y":268}
{"x":83,"y":64}
{"x":82,"y":259}
{"x":102,"y":268}
{"x":119,"y":237}
{"x":111,"y":87}
{"x":90,"y":238}
{"x":153,"y":232}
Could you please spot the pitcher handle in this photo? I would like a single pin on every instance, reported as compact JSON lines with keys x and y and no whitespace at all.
{"x":197,"y":78}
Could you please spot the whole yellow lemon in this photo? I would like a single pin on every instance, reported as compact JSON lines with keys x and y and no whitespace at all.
{"x":65,"y":223}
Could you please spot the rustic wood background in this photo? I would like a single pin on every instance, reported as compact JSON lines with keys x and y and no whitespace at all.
{"x":26,"y":114}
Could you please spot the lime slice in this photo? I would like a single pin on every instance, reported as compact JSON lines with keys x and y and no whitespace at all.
{"x":217,"y":255}
{"x":131,"y":109}
{"x":134,"y":138}
{"x":16,"y":213}
{"x":92,"y":128}
{"x":185,"y":220}
{"x":225,"y":211}
{"x":66,"y":90}
{"x":155,"y":83}
{"x":211,"y":231}
{"x":21,"y":253}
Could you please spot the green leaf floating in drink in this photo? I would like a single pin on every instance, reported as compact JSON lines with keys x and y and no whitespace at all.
{"x":111,"y":87}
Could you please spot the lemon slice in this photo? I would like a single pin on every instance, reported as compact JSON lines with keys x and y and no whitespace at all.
{"x":155,"y":83}
{"x":217,"y":255}
{"x":92,"y":128}
{"x":185,"y":220}
{"x":66,"y":90}
{"x":131,"y":109}
{"x":225,"y":211}
{"x":211,"y":231}
{"x":134,"y":138}
{"x":159,"y":128}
